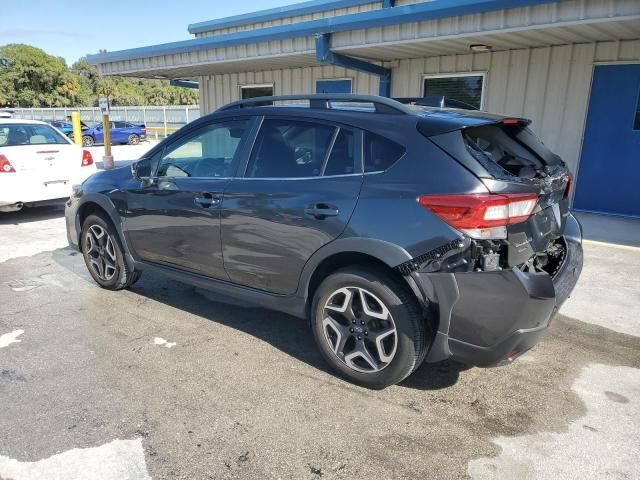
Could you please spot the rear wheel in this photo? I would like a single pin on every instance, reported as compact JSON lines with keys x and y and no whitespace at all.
{"x":87,"y":141}
{"x":103,"y":255}
{"x":369,"y":327}
{"x":133,"y":139}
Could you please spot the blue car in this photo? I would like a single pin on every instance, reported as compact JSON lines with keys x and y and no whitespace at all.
{"x":64,"y":127}
{"x":121,"y":132}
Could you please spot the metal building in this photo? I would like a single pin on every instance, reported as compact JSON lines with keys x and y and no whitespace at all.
{"x":572,"y":66}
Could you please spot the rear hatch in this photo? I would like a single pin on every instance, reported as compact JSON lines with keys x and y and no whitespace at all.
{"x":508,"y":158}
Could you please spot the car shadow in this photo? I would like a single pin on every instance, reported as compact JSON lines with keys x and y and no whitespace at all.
{"x":32,"y":214}
{"x":289,"y":334}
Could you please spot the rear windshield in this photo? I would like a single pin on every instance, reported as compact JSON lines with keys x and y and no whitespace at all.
{"x":12,"y":135}
{"x":514,"y":148}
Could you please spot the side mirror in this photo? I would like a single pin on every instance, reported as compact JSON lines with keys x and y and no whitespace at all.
{"x":141,"y":169}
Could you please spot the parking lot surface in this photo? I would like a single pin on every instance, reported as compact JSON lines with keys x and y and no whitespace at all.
{"x":161,"y":381}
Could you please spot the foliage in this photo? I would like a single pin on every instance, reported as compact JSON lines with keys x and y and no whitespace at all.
{"x":32,"y":78}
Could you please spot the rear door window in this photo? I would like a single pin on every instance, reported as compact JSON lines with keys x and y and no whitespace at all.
{"x":380,"y":153}
{"x":290,"y":149}
{"x":342,"y":159}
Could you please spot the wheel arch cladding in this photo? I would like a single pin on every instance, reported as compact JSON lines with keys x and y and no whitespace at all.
{"x":342,"y":259}
{"x":96,"y":204}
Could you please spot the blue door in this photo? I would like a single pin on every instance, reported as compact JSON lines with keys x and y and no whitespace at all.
{"x":333,"y":86}
{"x":609,"y":175}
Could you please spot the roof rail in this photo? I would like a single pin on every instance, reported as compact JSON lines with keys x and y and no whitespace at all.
{"x":323,"y":102}
{"x":436,"y":101}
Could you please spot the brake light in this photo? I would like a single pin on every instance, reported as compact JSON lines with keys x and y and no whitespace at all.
{"x":87,"y":159}
{"x":481,"y":216}
{"x":567,"y":190}
{"x":5,"y":165}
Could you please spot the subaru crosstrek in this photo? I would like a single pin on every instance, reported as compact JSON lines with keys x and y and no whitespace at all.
{"x":402,"y":233}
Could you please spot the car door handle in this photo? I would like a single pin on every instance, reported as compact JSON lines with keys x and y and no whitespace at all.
{"x":207,"y":200}
{"x":321,"y":211}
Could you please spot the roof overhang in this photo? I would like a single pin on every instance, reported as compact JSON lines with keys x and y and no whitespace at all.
{"x":433,"y":29}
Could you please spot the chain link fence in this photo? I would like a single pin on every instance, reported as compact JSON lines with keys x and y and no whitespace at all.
{"x":160,"y":121}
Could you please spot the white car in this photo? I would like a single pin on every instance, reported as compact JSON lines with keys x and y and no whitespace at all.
{"x":38,"y":164}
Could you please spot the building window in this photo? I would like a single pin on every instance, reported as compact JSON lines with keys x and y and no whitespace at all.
{"x":254,"y":91}
{"x":334,"y":86}
{"x":467,"y":88}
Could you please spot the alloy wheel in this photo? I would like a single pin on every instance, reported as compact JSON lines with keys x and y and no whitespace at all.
{"x":359,"y":329}
{"x":101,"y":252}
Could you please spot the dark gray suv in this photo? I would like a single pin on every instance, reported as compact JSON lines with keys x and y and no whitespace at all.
{"x":399,"y":232}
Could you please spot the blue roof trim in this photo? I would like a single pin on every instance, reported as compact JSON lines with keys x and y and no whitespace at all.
{"x":304,"y":8}
{"x":356,"y":21}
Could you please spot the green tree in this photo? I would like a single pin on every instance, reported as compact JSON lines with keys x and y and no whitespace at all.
{"x":32,"y":78}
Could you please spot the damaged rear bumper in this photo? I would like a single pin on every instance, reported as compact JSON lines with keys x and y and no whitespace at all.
{"x":490,"y":318}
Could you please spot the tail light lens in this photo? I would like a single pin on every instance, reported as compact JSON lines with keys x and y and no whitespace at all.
{"x":5,"y":165}
{"x":87,"y":159}
{"x":481,"y":216}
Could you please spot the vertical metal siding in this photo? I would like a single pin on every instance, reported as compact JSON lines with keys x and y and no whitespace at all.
{"x":295,"y":19}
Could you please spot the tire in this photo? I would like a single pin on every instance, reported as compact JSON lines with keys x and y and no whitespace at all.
{"x":133,"y":139}
{"x":87,"y":141}
{"x":103,"y":254}
{"x":391,"y":328}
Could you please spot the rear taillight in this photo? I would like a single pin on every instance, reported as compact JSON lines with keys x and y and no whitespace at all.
{"x":567,"y":190}
{"x":87,"y":159}
{"x":5,"y":165}
{"x":481,"y":216}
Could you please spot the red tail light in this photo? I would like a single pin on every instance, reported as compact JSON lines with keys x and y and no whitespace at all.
{"x":5,"y":165}
{"x":567,"y":190}
{"x":87,"y":159}
{"x":481,"y":216}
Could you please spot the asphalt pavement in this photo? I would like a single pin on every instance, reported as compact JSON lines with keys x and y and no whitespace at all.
{"x":161,"y":382}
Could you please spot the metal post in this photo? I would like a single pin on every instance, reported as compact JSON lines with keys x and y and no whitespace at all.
{"x":144,"y":115}
{"x":164,"y":118}
{"x":186,"y":109}
{"x":106,"y":128}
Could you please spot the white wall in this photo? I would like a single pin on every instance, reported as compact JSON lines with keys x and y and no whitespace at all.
{"x":548,"y":85}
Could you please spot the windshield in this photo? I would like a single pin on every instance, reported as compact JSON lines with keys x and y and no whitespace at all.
{"x":12,"y":135}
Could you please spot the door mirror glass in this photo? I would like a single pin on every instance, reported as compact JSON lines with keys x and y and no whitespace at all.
{"x":141,"y":169}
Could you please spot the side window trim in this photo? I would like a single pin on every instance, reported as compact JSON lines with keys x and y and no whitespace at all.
{"x":329,"y":151}
{"x":240,"y":155}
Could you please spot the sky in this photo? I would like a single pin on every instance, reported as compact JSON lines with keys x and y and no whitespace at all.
{"x":72,"y":29}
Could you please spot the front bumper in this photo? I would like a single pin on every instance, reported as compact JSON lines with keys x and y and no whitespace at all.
{"x":490,"y":318}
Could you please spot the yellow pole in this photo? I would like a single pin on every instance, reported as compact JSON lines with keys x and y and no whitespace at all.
{"x":77,"y":128}
{"x":106,"y":127}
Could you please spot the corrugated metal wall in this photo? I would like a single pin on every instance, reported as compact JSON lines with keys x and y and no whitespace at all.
{"x":548,"y":85}
{"x":295,"y":19}
{"x":217,"y":90}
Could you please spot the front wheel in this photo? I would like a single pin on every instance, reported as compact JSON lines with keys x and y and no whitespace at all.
{"x":103,"y":254}
{"x":87,"y":141}
{"x":133,"y":139}
{"x":369,"y":326}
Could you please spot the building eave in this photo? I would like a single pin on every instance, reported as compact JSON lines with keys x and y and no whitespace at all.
{"x":376,"y":18}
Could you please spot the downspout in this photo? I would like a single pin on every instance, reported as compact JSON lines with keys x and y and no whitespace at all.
{"x":325,"y":55}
